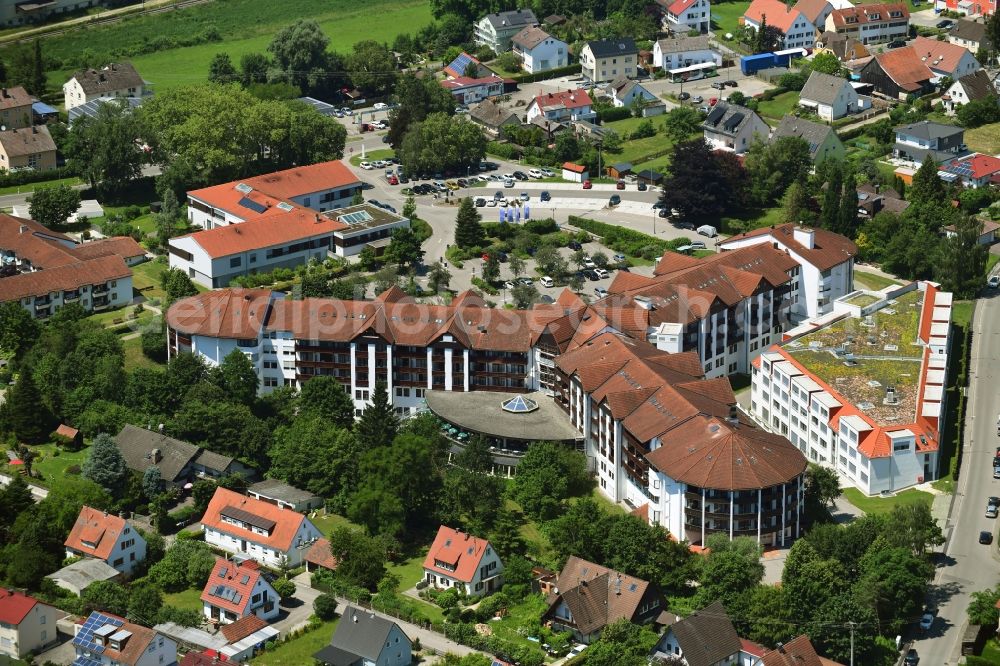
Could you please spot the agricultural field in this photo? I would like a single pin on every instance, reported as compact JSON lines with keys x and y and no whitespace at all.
{"x":985,"y":139}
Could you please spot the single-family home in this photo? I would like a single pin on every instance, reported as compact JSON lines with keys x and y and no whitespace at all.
{"x":831,"y":97}
{"x":113,"y":80}
{"x":675,"y":52}
{"x":27,"y":149}
{"x":870,"y":23}
{"x":970,"y":35}
{"x":703,"y":638}
{"x":945,"y":58}
{"x":988,"y":235}
{"x":263,"y":532}
{"x":540,"y":51}
{"x":26,"y":624}
{"x":366,"y":639}
{"x":847,"y":49}
{"x":78,"y":576}
{"x":797,"y":652}
{"x":576,"y":173}
{"x":975,"y":171}
{"x":969,"y":88}
{"x":285,"y":496}
{"x":795,"y":28}
{"x":236,"y":589}
{"x":823,"y":141}
{"x":873,"y":199}
{"x":563,"y":106}
{"x":16,"y":108}
{"x":682,"y":16}
{"x":733,"y":128}
{"x":459,"y":560}
{"x":626,"y":93}
{"x":589,"y":597}
{"x":496,"y":30}
{"x":108,"y":640}
{"x":917,"y":140}
{"x":898,"y":73}
{"x":606,"y":59}
{"x":92,"y":108}
{"x":493,"y":117}
{"x":179,"y":462}
{"x":815,"y":11}
{"x":104,"y":536}
{"x":467,"y":90}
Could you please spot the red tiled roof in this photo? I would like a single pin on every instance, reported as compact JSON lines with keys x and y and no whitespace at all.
{"x":286,"y":521}
{"x":67,"y":431}
{"x":867,"y":13}
{"x":121,"y":246}
{"x":571,"y":99}
{"x":905,"y":68}
{"x":470,"y":82}
{"x":14,"y":606}
{"x":797,"y":652}
{"x":462,"y":552}
{"x":15,"y":98}
{"x":320,"y":555}
{"x":938,"y":56}
{"x":980,"y":165}
{"x":242,"y":628}
{"x":811,"y":9}
{"x":263,"y":232}
{"x":240,"y":579}
{"x":206,"y":658}
{"x":224,"y":313}
{"x":95,"y":527}
{"x":575,"y":168}
{"x":829,"y":249}
{"x":775,"y":12}
{"x":135,"y":646}
{"x":63,"y":278}
{"x":751,"y":648}
{"x":678,"y":6}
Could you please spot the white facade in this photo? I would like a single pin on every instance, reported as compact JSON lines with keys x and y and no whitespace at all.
{"x":161,"y":651}
{"x":486,"y":578}
{"x":872,"y":31}
{"x":607,"y":68}
{"x":800,"y":34}
{"x":267,"y":555}
{"x":548,"y":54}
{"x":497,"y":30}
{"x":129,"y":550}
{"x":632,"y":93}
{"x":679,"y":59}
{"x":741,"y":140}
{"x":35,"y":631}
{"x":560,"y":113}
{"x":74,"y":95}
{"x":694,"y":16}
{"x":263,"y":603}
{"x":92,"y":298}
{"x":846,"y":102}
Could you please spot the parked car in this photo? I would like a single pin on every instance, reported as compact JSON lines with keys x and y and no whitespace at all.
{"x":462,"y":182}
{"x":508,"y":182}
{"x":697,"y":99}
{"x":480,"y":202}
{"x":993,"y":282}
{"x":601,"y":273}
{"x":600,"y":292}
{"x":508,"y":285}
{"x":545,"y":196}
{"x":548,"y":173}
{"x":614,"y":200}
{"x":520,"y":175}
{"x":526,"y":281}
{"x":926,"y":620}
{"x":986,"y":537}
{"x":619,"y":258}
{"x":663,"y":212}
{"x":731,"y":83}
{"x":912,"y":658}
{"x":719,"y":85}
{"x":704,"y":108}
{"x":498,"y":195}
{"x":642,"y":186}
{"x":491,"y":203}
{"x":547,"y":281}
{"x":573,"y":245}
{"x":944,"y":25}
{"x":684,"y":96}
{"x":535,"y":173}
{"x":380,"y":106}
{"x":991,"y":511}
{"x":590,"y":275}
{"x":708,"y":230}
{"x":697,"y":245}
{"x":525,"y":196}
{"x":393,"y":180}
{"x":587,"y":185}
{"x":620,"y":185}
{"x":897,"y":44}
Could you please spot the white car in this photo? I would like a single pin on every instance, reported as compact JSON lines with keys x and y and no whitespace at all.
{"x":535,"y":173}
{"x":491,"y":203}
{"x":589,"y":263}
{"x":380,"y":106}
{"x":577,"y":650}
{"x":601,"y":273}
{"x":367,"y":166}
{"x":548,"y":173}
{"x":993,"y":282}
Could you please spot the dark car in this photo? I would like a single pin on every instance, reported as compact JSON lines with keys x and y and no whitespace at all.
{"x":662,"y":212}
{"x":462,"y":182}
{"x":591,"y":275}
{"x":502,"y":257}
{"x":403,"y":179}
{"x":614,"y":200}
{"x":897,"y":44}
{"x":718,"y":85}
{"x":986,"y":537}
{"x":573,"y":245}
{"x":520,"y":175}
{"x":620,"y":185}
{"x":731,"y":83}
{"x":545,"y":196}
{"x":944,"y":25}
{"x":912,"y":658}
{"x":642,"y":187}
{"x":480,"y":202}
{"x":498,"y":195}
{"x":684,"y":96}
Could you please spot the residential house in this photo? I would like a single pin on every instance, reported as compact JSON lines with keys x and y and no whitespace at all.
{"x":103,"y":536}
{"x":27,"y":149}
{"x":627,"y":93}
{"x":815,"y":11}
{"x":80,"y":575}
{"x":361,"y":637}
{"x":179,"y":462}
{"x":285,"y":496}
{"x":975,"y":171}
{"x":256,"y":529}
{"x":467,"y":90}
{"x":606,"y":59}
{"x":15,"y":108}
{"x":493,"y":117}
{"x":916,"y":141}
{"x":563,"y":107}
{"x":496,"y":31}
{"x":898,"y":73}
{"x":733,"y":128}
{"x":871,"y":23}
{"x":823,"y":141}
{"x":797,"y":652}
{"x":969,"y":88}
{"x":873,"y":198}
{"x":287,"y":238}
{"x":683,"y":16}
{"x":459,"y":560}
{"x":704,"y":638}
{"x":589,"y":597}
{"x":676,"y":52}
{"x":108,"y":640}
{"x":969,"y":35}
{"x":831,"y":97}
{"x":236,"y":589}
{"x":92,"y":108}
{"x":111,"y":81}
{"x":879,"y":433}
{"x":26,"y":624}
{"x":795,"y":28}
{"x":847,"y":49}
{"x":236,"y":642}
{"x":316,"y":187}
{"x":988,"y":236}
{"x":945,"y":58}
{"x":540,"y":51}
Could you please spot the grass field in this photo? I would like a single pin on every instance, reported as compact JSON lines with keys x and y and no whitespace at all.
{"x":147,"y":274}
{"x":777,"y":108}
{"x":53,"y":467}
{"x":872,"y":281}
{"x":726,"y":16}
{"x":185,"y":600}
{"x":380,"y":154}
{"x":300,"y":650}
{"x":886,"y":504}
{"x":31,"y":187}
{"x":985,"y":139}
{"x":246,"y":26}
{"x":134,"y":358}
{"x":325,"y":524}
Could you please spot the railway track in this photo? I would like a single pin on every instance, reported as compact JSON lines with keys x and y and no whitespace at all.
{"x":106,"y":20}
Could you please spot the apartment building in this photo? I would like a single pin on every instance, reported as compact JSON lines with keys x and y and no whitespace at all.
{"x":498,"y":29}
{"x":112,"y":81}
{"x":103,"y":536}
{"x":871,"y":23}
{"x":607,"y":59}
{"x":675,"y":52}
{"x":830,"y":388}
{"x":796,"y":30}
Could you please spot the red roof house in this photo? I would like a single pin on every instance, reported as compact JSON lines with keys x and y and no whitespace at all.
{"x":26,"y":623}
{"x":104,"y":536}
{"x":457,"y":559}
{"x":237,"y":590}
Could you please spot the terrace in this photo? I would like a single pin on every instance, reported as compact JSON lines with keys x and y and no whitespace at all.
{"x":861,"y":358}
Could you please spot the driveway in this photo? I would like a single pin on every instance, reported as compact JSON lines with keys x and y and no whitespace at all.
{"x":295,"y":611}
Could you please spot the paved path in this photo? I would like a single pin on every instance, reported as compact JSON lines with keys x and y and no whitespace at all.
{"x":37,"y":492}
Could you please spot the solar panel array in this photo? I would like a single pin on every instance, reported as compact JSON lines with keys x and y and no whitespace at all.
{"x":734,"y":122}
{"x":460,"y":63}
{"x":227,"y":593}
{"x":244,"y":516}
{"x":85,"y":638}
{"x":252,"y":205}
{"x":715,"y":116}
{"x":86,"y":661}
{"x":963,"y":168}
{"x":357,"y":217}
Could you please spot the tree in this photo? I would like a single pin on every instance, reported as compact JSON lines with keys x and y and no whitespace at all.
{"x":325,"y":607}
{"x":224,"y":427}
{"x":18,"y":329}
{"x":831,"y":196}
{"x":979,"y":112}
{"x":105,"y":595}
{"x":221,"y":70}
{"x":773,"y":166}
{"x":105,"y":465}
{"x":16,"y":498}
{"x":681,"y":123}
{"x":524,"y":295}
{"x":441,"y":143}
{"x":728,"y":574}
{"x":913,"y":527}
{"x":893,"y":581}
{"x":177,"y":284}
{"x":983,"y":607}
{"x":622,"y":643}
{"x":360,"y":558}
{"x":299,"y":52}
{"x":404,"y":249}
{"x":372,"y":67}
{"x":253,"y":68}
{"x":152,"y":482}
{"x":768,"y":619}
{"x":796,"y":203}
{"x":516,"y":266}
{"x":506,"y":535}
{"x":549,"y":474}
{"x":186,"y":564}
{"x":144,"y":602}
{"x":960,"y":263}
{"x":37,"y":86}
{"x":822,"y":488}
{"x":378,"y":424}
{"x":103,"y":147}
{"x":327,"y":398}
{"x":468,"y":230}
{"x":927,"y":187}
{"x":51,"y":206}
{"x":827,"y":63}
{"x":310,"y":454}
{"x":438,"y":277}
{"x":697,"y":187}
{"x":238,"y":378}
{"x":847,"y":212}
{"x":23,"y":412}
{"x":993,"y":35}
{"x":491,"y":268}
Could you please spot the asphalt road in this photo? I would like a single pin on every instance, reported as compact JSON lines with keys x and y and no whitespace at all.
{"x":969,"y":566}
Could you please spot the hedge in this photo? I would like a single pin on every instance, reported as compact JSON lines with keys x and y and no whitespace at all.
{"x":627,"y":241}
{"x":15,"y":178}
{"x":548,"y":74}
{"x":607,"y":115}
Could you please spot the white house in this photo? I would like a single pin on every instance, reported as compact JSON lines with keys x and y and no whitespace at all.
{"x":108,"y":640}
{"x":703,"y":637}
{"x":969,"y":88}
{"x":563,"y":106}
{"x":686,"y":15}
{"x":539,"y":50}
{"x":26,"y":624}
{"x":114,"y":80}
{"x":366,"y":639}
{"x":825,"y":259}
{"x":797,"y":30}
{"x":676,"y":52}
{"x":831,"y":97}
{"x":576,"y":173}
{"x":468,"y":90}
{"x":457,"y":559}
{"x":945,"y":58}
{"x":733,"y":128}
{"x":626,"y":92}
{"x":498,"y":29}
{"x":261,"y":531}
{"x":870,"y":23}
{"x":236,"y":589}
{"x":103,"y":536}
{"x":607,"y":59}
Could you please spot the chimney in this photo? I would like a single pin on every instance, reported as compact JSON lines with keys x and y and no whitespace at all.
{"x":806,"y":237}
{"x":155,"y":455}
{"x":24,"y":228}
{"x":734,"y":416}
{"x":781,"y":648}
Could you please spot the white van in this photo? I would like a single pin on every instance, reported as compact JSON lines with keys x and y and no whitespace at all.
{"x":707,"y":230}
{"x":547,"y":281}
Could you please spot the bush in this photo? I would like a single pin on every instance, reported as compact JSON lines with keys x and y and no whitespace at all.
{"x":485,"y":286}
{"x":626,"y":241}
{"x":283,"y":587}
{"x":609,"y":114}
{"x":548,"y":74}
{"x":325,"y":606}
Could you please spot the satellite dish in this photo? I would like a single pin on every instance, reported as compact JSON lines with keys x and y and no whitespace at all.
{"x":729,"y":35}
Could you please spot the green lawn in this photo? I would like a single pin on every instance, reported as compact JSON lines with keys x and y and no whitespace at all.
{"x":31,"y":187}
{"x":777,"y":108}
{"x":872,"y":281}
{"x":886,"y":504}
{"x":326,"y":523}
{"x":189,"y":599}
{"x":752,"y":219}
{"x":961,"y":313}
{"x":146,"y":278}
{"x":122,"y":318}
{"x":410,"y":572}
{"x":379,"y":154}
{"x":984,"y":139}
{"x":53,"y":467}
{"x":134,"y":358}
{"x":726,"y":18}
{"x":300,"y":650}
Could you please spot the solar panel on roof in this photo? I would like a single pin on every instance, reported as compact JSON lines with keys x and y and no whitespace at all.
{"x":248,"y":518}
{"x":356,"y":217}
{"x":252,"y":205}
{"x":715,"y":116}
{"x":460,"y":63}
{"x":734,"y":121}
{"x":96,"y":622}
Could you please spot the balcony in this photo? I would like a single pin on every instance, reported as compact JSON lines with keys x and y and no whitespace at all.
{"x":71,"y":296}
{"x":100,"y":289}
